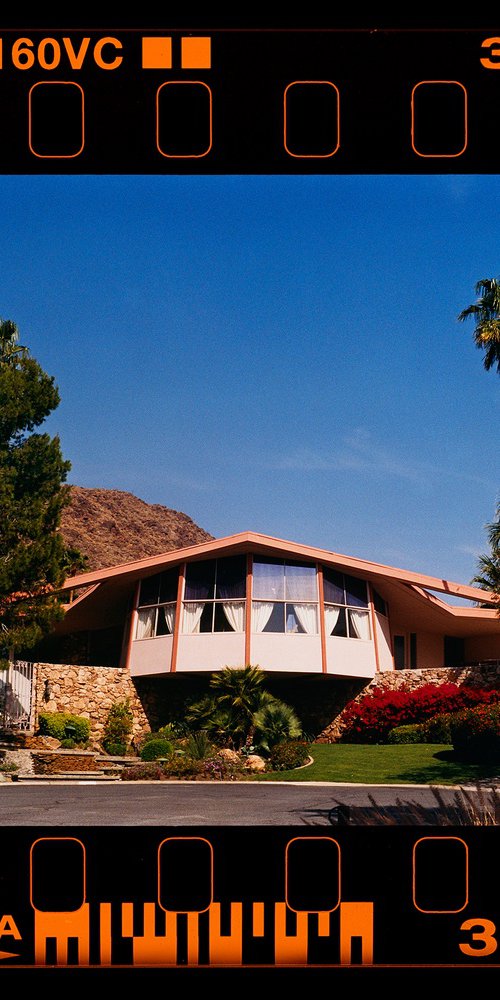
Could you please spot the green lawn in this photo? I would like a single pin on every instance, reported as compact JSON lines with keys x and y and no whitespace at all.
{"x":416,"y":763}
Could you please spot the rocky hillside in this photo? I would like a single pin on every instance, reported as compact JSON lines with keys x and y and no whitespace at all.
{"x":109,"y":527}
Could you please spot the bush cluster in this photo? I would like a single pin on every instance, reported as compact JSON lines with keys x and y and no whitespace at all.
{"x":154,"y":748}
{"x":118,"y":728}
{"x":289,"y":754}
{"x":371,"y":719}
{"x":475,"y":732}
{"x":435,"y":730}
{"x":55,"y":724}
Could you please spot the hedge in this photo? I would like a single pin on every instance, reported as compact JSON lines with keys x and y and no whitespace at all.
{"x":56,"y":723}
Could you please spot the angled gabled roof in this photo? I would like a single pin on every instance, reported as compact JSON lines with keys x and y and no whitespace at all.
{"x":267,"y":545}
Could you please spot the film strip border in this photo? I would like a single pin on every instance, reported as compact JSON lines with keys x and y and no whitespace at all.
{"x":252,"y":899}
{"x":248,"y":101}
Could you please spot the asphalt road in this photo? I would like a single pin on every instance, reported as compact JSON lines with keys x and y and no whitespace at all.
{"x":192,"y":804}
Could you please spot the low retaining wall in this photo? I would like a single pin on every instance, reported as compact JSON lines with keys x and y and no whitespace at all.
{"x":483,"y":676}
{"x":87,"y":691}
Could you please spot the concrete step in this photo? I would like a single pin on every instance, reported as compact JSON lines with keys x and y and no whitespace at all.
{"x":67,"y":776}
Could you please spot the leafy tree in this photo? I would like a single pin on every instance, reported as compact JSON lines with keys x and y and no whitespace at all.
{"x":486,"y":313}
{"x":488,"y":575}
{"x":33,"y":557}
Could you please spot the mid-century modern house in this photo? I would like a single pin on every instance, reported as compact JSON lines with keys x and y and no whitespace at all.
{"x":290,"y":608}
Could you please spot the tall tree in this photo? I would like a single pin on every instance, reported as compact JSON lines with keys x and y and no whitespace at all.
{"x":486,"y":313}
{"x":33,"y":556}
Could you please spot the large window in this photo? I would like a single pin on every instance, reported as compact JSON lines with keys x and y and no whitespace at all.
{"x":157,"y":597}
{"x":285,"y":597}
{"x":346,"y":605}
{"x":214,"y":596}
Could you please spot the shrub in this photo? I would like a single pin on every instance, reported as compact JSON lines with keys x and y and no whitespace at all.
{"x":289,"y":754}
{"x":118,"y":725}
{"x":475,"y":732}
{"x":438,"y":729}
{"x":143,"y":772}
{"x":116,"y":749}
{"x":198,"y":746}
{"x":155,"y":748}
{"x":221,"y":769}
{"x":7,"y":766}
{"x":371,"y":719}
{"x":182,"y":767}
{"x":274,"y":723}
{"x":68,"y":744}
{"x":407,"y":734}
{"x":56,"y":724}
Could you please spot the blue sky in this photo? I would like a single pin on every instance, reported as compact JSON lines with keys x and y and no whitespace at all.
{"x":279,"y":354}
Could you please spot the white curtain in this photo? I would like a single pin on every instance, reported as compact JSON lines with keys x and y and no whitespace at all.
{"x":331,"y":618}
{"x":192,"y":615}
{"x":169,"y":612}
{"x":146,"y":623}
{"x":235,"y":614}
{"x":306,"y":614}
{"x":301,"y":583}
{"x":360,"y":624}
{"x":261,"y":613}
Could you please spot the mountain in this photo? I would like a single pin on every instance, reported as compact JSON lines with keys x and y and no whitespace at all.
{"x":110,"y":527}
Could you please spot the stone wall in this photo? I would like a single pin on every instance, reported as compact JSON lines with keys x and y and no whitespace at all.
{"x":486,"y":676}
{"x":87,"y":691}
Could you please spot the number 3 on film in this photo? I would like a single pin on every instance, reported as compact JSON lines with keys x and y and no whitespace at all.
{"x":483,"y":933}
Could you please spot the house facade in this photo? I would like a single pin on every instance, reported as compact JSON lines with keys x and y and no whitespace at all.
{"x":290,"y":608}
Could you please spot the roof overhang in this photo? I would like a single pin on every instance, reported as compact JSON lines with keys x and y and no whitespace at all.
{"x":266,"y":545}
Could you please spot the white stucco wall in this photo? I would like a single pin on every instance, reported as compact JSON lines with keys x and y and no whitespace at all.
{"x":210,"y":651}
{"x":350,"y":657}
{"x":281,"y":652}
{"x":151,"y":656}
{"x":385,"y":659}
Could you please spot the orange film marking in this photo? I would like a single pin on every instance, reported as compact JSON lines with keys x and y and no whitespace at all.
{"x":427,"y":83}
{"x":494,"y":45}
{"x":466,"y":859}
{"x":193,"y":938}
{"x":200,"y":840}
{"x":196,"y":53}
{"x":356,"y":920}
{"x":226,"y":949}
{"x":154,"y":949}
{"x":65,"y":840}
{"x":127,"y":919}
{"x":56,"y":156}
{"x":290,"y":949}
{"x":324,"y":923}
{"x":157,"y":53}
{"x":484,"y":933}
{"x":62,"y":926}
{"x":309,"y":840}
{"x":183,"y":156}
{"x":258,"y":919}
{"x":105,"y":939}
{"x":311,"y":156}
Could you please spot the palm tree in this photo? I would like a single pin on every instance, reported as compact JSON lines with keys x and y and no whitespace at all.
{"x":486,"y":312}
{"x":9,"y":336}
{"x":275,"y":722}
{"x":240,"y":693}
{"x":488,"y":575}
